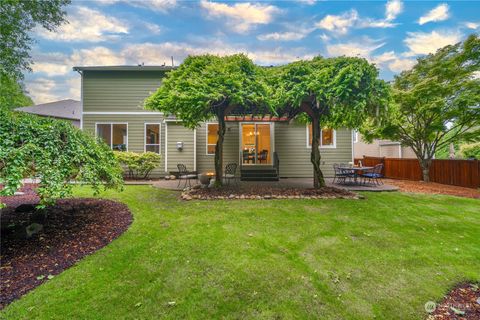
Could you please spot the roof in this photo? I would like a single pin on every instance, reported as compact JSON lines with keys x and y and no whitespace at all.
{"x":124,"y":68}
{"x":65,"y":109}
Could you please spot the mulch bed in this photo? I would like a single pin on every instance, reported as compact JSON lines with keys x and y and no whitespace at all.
{"x":71,"y":229}
{"x":434,"y":188}
{"x":461,"y":303}
{"x":227,"y":193}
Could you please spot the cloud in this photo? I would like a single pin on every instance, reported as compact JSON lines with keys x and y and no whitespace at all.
{"x":42,"y":90}
{"x":97,"y":56}
{"x":153,"y":28}
{"x":439,"y":13}
{"x":155,"y":5}
{"x":87,"y":25}
{"x":393,"y":9}
{"x":50,"y":69}
{"x":294,"y":33}
{"x":307,"y":2}
{"x":472,"y":25}
{"x":391,"y":61}
{"x":240,"y":17}
{"x":425,"y":43}
{"x":363,"y":48}
{"x":340,"y":24}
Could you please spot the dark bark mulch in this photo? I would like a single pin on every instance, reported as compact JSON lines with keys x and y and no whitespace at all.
{"x":70,"y":230}
{"x":434,"y":188}
{"x":267,"y":193}
{"x":461,"y":303}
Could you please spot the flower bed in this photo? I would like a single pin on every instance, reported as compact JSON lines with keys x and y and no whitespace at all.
{"x":266,"y":193}
{"x":462,"y":302}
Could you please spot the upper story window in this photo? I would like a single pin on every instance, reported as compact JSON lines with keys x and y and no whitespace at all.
{"x":114,"y":134}
{"x":212,"y":137}
{"x":327,"y":137}
{"x":152,"y":137}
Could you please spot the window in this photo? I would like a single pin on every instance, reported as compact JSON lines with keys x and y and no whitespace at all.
{"x":114,"y":134}
{"x":355,"y":136}
{"x":212,"y":137}
{"x":327,"y":137}
{"x":152,"y":137}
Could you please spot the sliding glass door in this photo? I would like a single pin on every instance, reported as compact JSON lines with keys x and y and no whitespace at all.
{"x":256,"y":143}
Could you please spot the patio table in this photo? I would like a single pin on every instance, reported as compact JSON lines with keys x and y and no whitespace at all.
{"x":356,"y":171}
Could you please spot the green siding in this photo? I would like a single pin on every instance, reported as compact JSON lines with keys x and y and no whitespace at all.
{"x":178,"y":133}
{"x":118,"y":91}
{"x":294,"y":155}
{"x":230,"y":148}
{"x":125,"y":91}
{"x":135,"y":133}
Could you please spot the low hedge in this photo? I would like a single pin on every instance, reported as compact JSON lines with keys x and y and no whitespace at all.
{"x":138,"y":165}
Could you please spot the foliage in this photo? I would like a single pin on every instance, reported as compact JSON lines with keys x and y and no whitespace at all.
{"x":470,"y":150}
{"x":17,"y":20}
{"x":437,"y":102}
{"x":12,"y":94}
{"x":289,"y":259}
{"x":334,"y":92}
{"x":55,"y":152}
{"x":208,"y":86}
{"x":138,"y":165}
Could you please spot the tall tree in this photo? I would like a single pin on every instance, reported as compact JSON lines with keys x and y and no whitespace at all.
{"x":334,"y":92}
{"x":208,"y":86}
{"x":437,"y":102}
{"x":18,"y":18}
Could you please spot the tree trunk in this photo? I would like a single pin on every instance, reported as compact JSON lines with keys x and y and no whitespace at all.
{"x":219,"y":150}
{"x":318,"y":180}
{"x":425,"y":166}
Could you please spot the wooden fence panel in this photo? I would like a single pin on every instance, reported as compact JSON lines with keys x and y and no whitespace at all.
{"x":464,"y":173}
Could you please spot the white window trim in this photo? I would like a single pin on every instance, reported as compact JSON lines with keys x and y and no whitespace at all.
{"x":333,"y":146}
{"x":355,"y":136}
{"x":206,"y":138}
{"x":111,"y":131}
{"x":145,"y":144}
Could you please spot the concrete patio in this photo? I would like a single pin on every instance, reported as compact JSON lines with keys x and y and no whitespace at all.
{"x":299,"y":183}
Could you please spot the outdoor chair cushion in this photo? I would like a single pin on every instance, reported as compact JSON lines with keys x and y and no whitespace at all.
{"x":188,"y":176}
{"x":372,"y":175}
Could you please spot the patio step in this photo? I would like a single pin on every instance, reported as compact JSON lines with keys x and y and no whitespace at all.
{"x":258,"y":174}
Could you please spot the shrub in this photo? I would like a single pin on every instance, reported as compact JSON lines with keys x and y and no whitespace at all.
{"x":138,"y":165}
{"x":55,"y":152}
{"x":471,"y":150}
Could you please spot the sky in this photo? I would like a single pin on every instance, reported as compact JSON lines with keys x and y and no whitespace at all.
{"x":390,"y":34}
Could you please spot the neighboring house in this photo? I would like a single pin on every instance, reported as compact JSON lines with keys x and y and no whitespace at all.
{"x":113,"y":99}
{"x":379,"y":148}
{"x":68,"y":109}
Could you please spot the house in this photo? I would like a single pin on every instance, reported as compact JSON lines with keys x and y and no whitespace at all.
{"x":379,"y":148}
{"x":63,"y":109}
{"x":112,"y":101}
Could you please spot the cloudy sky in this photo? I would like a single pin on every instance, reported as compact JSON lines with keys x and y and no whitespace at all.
{"x":119,"y":32}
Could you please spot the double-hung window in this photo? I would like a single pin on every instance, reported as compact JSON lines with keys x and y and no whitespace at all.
{"x":114,"y":134}
{"x":212,"y":137}
{"x":152,"y":137}
{"x":327,"y":137}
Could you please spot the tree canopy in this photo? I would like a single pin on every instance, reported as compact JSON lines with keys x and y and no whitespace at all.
{"x":333,"y":92}
{"x":56,"y":153}
{"x":437,"y":102}
{"x":208,"y":86}
{"x":12,"y":94}
{"x":17,"y":20}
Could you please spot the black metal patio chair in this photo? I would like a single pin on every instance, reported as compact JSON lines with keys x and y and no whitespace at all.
{"x":229,"y":174}
{"x":373,"y":175}
{"x":186,"y":175}
{"x":341,"y":174}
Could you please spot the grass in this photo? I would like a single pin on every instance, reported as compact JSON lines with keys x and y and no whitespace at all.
{"x":381,"y":257}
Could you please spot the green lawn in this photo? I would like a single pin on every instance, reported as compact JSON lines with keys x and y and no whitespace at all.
{"x":335,"y":259}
